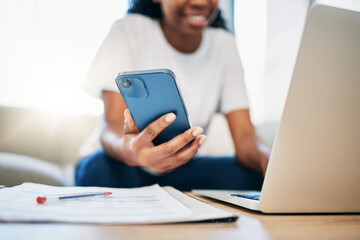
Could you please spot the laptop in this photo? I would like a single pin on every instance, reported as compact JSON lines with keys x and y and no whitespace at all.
{"x":314,"y":165}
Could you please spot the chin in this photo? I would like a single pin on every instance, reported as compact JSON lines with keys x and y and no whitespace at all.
{"x":193,"y":30}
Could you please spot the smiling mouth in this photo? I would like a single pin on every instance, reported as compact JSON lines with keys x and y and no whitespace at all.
{"x":197,"y":20}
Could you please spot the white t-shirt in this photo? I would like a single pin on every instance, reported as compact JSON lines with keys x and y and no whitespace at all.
{"x":210,"y":79}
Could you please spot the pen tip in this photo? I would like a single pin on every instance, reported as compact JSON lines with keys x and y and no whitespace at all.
{"x":40,"y":200}
{"x":108,"y":193}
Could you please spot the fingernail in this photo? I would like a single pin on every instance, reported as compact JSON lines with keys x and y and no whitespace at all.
{"x":170,"y":117}
{"x":202,"y":140}
{"x":126,"y":113}
{"x":197,"y":132}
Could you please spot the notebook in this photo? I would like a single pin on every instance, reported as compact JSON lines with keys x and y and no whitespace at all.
{"x":144,"y":205}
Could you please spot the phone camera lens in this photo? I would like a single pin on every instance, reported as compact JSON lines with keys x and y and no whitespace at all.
{"x":125,"y":83}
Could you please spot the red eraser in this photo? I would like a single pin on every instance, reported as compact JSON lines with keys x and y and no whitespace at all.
{"x":40,"y":200}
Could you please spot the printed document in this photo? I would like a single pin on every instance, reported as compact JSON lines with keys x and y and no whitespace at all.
{"x":143,"y":205}
{"x":149,"y":204}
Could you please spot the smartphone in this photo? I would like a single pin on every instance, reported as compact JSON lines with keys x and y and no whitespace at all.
{"x":150,"y":94}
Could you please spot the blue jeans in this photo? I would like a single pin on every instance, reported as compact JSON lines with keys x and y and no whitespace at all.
{"x":99,"y":169}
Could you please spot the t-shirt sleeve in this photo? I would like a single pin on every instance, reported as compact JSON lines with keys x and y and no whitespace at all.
{"x":233,"y":95}
{"x":112,"y":57}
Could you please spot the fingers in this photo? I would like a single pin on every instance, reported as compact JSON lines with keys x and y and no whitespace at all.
{"x":174,"y":145}
{"x":153,"y":129}
{"x":172,"y":154}
{"x":183,"y":156}
{"x":168,"y":155}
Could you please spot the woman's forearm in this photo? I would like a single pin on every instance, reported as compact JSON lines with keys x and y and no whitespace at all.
{"x":252,"y":153}
{"x":249,"y":149}
{"x":246,"y":151}
{"x":112,"y":141}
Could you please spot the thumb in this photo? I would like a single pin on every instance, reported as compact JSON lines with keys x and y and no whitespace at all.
{"x":129,"y":123}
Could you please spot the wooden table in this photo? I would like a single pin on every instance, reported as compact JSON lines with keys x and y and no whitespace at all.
{"x":250,"y":225}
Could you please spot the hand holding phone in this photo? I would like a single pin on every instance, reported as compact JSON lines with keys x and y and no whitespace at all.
{"x":150,"y":94}
{"x":157,"y":133}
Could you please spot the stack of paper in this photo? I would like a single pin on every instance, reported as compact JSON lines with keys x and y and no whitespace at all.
{"x":152,"y":204}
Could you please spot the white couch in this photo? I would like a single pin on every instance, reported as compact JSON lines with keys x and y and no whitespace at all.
{"x":39,"y":146}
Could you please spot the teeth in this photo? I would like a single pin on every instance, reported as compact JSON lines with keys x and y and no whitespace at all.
{"x":197,"y":17}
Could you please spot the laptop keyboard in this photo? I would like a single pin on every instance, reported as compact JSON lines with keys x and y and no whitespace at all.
{"x":249,"y":196}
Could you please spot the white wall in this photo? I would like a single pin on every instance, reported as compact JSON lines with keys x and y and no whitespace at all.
{"x":46,"y":48}
{"x":268,"y":34}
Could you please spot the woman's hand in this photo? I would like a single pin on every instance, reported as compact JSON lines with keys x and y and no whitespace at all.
{"x":263,"y":158}
{"x":137,"y":148}
{"x":253,"y":153}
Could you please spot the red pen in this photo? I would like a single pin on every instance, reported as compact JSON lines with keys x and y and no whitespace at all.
{"x":43,"y":199}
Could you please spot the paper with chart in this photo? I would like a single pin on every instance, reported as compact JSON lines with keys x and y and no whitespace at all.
{"x":149,"y":204}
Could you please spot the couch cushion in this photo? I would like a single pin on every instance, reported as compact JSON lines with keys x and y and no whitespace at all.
{"x":54,"y":137}
{"x":16,"y":169}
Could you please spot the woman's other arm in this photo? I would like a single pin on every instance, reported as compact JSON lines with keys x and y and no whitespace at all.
{"x":249,"y":149}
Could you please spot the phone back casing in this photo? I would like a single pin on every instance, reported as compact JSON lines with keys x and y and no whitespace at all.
{"x":159,"y":96}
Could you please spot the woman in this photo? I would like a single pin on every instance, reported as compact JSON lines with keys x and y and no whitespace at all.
{"x":173,"y":34}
